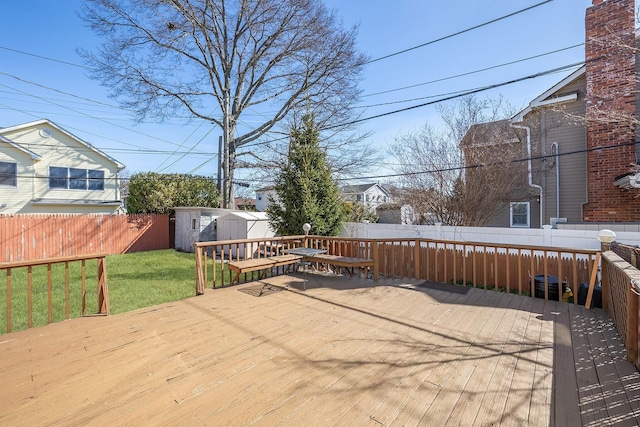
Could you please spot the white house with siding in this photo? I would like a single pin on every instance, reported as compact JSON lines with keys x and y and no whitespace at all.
{"x":46,"y":169}
{"x":263,"y":195}
{"x":371,"y":195}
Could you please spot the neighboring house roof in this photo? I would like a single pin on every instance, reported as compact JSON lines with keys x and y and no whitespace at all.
{"x":58,"y":128}
{"x":265,"y":189}
{"x":33,"y":155}
{"x":543,"y":99}
{"x":360,"y":188}
{"x":245,"y":201}
{"x":490,"y":133}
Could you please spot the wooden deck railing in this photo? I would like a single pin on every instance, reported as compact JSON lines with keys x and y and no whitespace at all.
{"x":489,"y":266}
{"x":620,"y":289}
{"x":29,"y":290}
{"x":212,"y":257}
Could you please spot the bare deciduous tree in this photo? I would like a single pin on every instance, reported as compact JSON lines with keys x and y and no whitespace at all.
{"x":464,"y":174}
{"x":216,"y":60}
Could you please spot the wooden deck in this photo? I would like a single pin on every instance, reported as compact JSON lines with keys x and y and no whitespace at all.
{"x":350,"y":353}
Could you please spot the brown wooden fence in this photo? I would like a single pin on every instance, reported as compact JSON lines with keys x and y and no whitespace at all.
{"x":25,"y":237}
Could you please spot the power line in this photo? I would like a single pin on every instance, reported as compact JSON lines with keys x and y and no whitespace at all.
{"x":93,"y":117}
{"x":447,"y":98}
{"x":473,"y":72}
{"x":60,"y":91}
{"x":475,"y":27}
{"x":505,"y":162}
{"x":469,"y":92}
{"x":43,"y":57}
{"x":398,"y":175}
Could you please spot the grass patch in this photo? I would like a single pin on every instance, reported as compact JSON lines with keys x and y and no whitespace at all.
{"x":135,"y":280}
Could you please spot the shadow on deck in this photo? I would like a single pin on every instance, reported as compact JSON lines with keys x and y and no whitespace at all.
{"x":344,"y":352}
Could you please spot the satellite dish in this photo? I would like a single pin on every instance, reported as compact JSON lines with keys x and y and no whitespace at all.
{"x":46,"y":133}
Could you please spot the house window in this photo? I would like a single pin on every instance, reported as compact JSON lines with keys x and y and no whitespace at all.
{"x":96,"y":180}
{"x":520,"y":214}
{"x":75,"y":178}
{"x":9,"y":174}
{"x":58,"y":177}
{"x":193,"y":223}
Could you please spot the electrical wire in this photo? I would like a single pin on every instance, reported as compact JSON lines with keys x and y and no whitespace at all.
{"x":493,"y":67}
{"x":423,"y":172}
{"x":43,"y":57}
{"x":475,"y":27}
{"x":447,"y":98}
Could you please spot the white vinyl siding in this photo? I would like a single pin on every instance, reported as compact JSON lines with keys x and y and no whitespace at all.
{"x":96,"y":180}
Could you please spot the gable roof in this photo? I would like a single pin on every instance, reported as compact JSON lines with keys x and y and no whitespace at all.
{"x":58,"y":128}
{"x":360,"y":188}
{"x":489,"y":133}
{"x":33,"y":155}
{"x":542,"y":100}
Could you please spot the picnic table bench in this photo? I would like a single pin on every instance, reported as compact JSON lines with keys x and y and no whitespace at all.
{"x":261,"y":264}
{"x":341,"y":261}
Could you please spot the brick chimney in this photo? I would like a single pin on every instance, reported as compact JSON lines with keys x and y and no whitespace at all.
{"x":611,"y":96}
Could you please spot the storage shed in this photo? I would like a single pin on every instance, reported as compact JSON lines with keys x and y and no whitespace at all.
{"x":196,"y":224}
{"x":244,"y":225}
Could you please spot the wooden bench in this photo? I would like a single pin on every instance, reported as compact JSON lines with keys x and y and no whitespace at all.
{"x":341,"y":261}
{"x":261,"y":264}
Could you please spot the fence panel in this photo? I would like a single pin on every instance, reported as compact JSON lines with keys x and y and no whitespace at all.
{"x":26,"y":237}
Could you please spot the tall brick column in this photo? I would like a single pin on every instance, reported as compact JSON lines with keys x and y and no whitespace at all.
{"x":611,"y":96}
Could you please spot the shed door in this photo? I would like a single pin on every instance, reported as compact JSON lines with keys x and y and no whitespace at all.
{"x":234,"y":229}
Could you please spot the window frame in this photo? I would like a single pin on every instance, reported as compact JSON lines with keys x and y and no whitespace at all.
{"x":512,"y":223}
{"x":95,"y":183}
{"x":12,"y":176}
{"x":76,"y":179}
{"x":56,"y":179}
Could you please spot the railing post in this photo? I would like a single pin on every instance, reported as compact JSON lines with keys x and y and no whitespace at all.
{"x":103,"y":287}
{"x":416,"y":257}
{"x":632,"y":325}
{"x":605,"y":283}
{"x":8,"y":300}
{"x":376,"y":260}
{"x":199,"y":276}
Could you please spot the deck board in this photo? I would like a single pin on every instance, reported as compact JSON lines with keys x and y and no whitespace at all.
{"x":347,"y":351}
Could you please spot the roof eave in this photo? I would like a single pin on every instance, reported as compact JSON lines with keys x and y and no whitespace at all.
{"x":542,"y":100}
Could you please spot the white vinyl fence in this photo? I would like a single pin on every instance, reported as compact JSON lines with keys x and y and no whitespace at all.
{"x":560,"y":238}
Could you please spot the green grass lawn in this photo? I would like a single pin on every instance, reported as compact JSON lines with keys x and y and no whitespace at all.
{"x":135,"y":280}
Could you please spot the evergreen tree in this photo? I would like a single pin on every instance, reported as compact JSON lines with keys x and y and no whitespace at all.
{"x":305,"y":189}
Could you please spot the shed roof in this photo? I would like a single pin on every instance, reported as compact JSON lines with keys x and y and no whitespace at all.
{"x":249,"y":216}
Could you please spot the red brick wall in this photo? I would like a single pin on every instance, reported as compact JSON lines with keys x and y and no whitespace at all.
{"x":611,"y":92}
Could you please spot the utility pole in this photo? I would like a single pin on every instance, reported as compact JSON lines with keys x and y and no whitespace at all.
{"x":220,"y":164}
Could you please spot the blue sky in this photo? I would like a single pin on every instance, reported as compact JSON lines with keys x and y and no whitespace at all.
{"x":52,"y":29}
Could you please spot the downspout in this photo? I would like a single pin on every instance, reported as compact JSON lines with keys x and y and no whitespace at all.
{"x":529,"y":167}
{"x":554,"y":146}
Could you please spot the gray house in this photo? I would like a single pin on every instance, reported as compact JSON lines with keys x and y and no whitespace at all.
{"x":580,"y":134}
